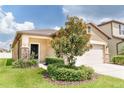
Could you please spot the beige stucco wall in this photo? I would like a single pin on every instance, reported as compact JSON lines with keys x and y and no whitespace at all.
{"x":112,"y":46}
{"x":115,"y":30}
{"x":15,"y":53}
{"x":107,"y":29}
{"x":97,"y":35}
{"x":45,"y":47}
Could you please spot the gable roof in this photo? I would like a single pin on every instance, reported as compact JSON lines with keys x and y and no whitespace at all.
{"x":46,"y":32}
{"x":116,"y":21}
{"x":95,"y":26}
{"x":42,"y":32}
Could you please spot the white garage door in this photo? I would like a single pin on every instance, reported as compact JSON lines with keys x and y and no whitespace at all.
{"x":93,"y":56}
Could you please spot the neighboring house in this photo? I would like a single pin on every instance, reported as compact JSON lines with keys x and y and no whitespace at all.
{"x":3,"y":50}
{"x":115,"y":30}
{"x":99,"y":52}
{"x":4,"y":53}
{"x":39,"y":42}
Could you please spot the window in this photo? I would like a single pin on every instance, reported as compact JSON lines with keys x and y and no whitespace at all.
{"x":89,"y":29}
{"x":121,"y":29}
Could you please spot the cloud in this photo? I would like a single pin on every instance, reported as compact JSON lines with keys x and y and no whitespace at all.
{"x":25,"y":26}
{"x":105,"y":19}
{"x":95,"y":13}
{"x":8,"y":25}
{"x":56,"y":28}
{"x":65,"y":11}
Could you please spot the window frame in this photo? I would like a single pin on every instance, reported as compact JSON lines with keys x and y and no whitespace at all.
{"x":121,"y":29}
{"x":89,"y":29}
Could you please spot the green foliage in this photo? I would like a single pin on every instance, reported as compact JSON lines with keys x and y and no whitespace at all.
{"x":21,"y":63}
{"x":119,"y":59}
{"x":32,"y":78}
{"x":122,"y":51}
{"x":6,"y":61}
{"x":2,"y":62}
{"x":71,"y":40}
{"x":54,"y":60}
{"x":9,"y":62}
{"x":32,"y":61}
{"x":65,"y":73}
{"x":18,"y":64}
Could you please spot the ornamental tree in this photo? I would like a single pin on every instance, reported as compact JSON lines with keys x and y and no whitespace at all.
{"x":71,"y":40}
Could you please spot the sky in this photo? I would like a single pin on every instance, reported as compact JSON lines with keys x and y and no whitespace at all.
{"x":26,"y":17}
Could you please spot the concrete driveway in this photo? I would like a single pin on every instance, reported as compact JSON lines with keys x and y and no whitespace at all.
{"x":109,"y":69}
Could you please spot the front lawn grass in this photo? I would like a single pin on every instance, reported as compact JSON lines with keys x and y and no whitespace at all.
{"x":32,"y":78}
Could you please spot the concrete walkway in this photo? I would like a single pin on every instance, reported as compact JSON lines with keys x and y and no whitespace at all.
{"x":109,"y":69}
{"x":42,"y":66}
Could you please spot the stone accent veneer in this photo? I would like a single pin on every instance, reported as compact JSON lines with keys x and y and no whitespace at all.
{"x":24,"y":53}
{"x":107,"y":58}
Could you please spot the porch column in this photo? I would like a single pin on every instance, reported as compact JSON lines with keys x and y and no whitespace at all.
{"x":25,"y":47}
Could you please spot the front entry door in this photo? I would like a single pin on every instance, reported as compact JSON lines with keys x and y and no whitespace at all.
{"x":34,"y":49}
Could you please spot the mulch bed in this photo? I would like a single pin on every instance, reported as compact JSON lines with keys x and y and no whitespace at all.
{"x":67,"y":83}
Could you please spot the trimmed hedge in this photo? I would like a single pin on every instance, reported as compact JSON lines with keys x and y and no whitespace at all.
{"x":9,"y":62}
{"x":53,"y":60}
{"x":64,"y":73}
{"x":119,"y":59}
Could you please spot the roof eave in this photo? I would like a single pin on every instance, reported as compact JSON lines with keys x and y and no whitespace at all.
{"x":110,"y":22}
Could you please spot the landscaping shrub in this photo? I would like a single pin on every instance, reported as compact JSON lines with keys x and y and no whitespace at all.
{"x":9,"y":62}
{"x":64,"y":73}
{"x":54,"y":60}
{"x":20,"y":63}
{"x":119,"y":59}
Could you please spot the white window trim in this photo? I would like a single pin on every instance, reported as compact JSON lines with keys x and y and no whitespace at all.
{"x":89,"y":29}
{"x":38,"y":49}
{"x":121,"y":32}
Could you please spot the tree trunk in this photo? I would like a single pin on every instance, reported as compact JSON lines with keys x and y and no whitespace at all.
{"x":65,"y":60}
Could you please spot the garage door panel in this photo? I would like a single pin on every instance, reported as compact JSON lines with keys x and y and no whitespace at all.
{"x":93,"y":56}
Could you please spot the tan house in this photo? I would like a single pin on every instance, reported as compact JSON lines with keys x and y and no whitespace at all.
{"x":39,"y":42}
{"x":115,"y":30}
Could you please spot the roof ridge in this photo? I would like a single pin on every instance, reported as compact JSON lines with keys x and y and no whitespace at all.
{"x":113,"y":20}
